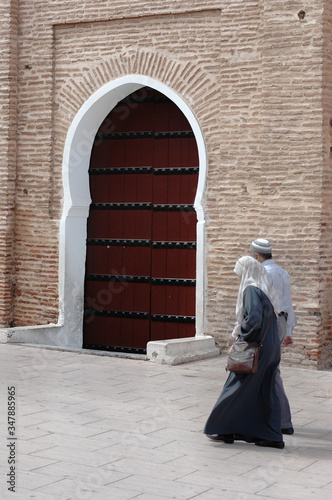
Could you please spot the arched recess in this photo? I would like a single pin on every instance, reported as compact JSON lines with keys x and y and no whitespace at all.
{"x":77,"y":200}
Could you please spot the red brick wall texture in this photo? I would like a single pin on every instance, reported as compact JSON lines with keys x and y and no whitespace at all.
{"x":257,"y":75}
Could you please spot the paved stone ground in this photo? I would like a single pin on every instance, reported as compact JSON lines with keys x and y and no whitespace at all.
{"x":100,"y":427}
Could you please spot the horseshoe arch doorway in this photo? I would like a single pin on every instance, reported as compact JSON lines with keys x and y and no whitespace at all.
{"x":77,"y":199}
{"x":140,"y":276}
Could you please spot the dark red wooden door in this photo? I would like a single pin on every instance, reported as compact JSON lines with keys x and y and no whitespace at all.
{"x":141,"y":244}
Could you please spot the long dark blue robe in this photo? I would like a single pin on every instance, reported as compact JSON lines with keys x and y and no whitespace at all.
{"x":248,"y":405}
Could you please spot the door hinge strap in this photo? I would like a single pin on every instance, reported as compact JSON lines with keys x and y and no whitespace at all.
{"x":121,"y":206}
{"x":117,"y":278}
{"x":173,"y":319}
{"x":120,"y":171}
{"x":190,"y":245}
{"x":173,"y":282}
{"x":121,"y":243}
{"x":116,"y":314}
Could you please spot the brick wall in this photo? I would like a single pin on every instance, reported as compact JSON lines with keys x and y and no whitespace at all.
{"x":8,"y":106}
{"x":253,"y":74}
{"x":325,"y":261}
{"x":293,"y":152}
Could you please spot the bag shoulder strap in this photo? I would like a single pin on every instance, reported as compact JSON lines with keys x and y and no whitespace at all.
{"x":268,"y":326}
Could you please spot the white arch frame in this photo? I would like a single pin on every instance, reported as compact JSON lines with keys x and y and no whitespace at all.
{"x":77,"y":200}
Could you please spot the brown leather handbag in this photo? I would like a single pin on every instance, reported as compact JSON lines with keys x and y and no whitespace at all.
{"x":244,"y":356}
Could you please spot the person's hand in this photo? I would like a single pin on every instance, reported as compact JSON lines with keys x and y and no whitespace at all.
{"x":231,"y":340}
{"x":287,"y":341}
{"x":230,"y":349}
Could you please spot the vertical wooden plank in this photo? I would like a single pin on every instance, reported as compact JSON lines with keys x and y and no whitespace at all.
{"x":115,"y":120}
{"x":174,"y":189}
{"x":136,"y":264}
{"x":146,"y":151}
{"x":191,"y":301}
{"x":171,"y":330}
{"x":127,"y":331}
{"x":187,"y":226}
{"x":172,"y":300}
{"x":115,"y":224}
{"x":90,"y":301}
{"x":190,"y":330}
{"x":129,"y":223}
{"x":159,"y":226}
{"x":94,"y":330}
{"x":141,"y":332}
{"x":158,"y":331}
{"x":143,"y":225}
{"x":132,"y":152}
{"x":89,"y":258}
{"x":182,"y":301}
{"x":185,"y":125}
{"x":104,"y":295}
{"x":142,"y":297}
{"x":183,"y":263}
{"x":184,"y":222}
{"x":128,"y":297}
{"x":184,"y":188}
{"x":145,"y":116}
{"x":99,"y":188}
{"x":130,"y":188}
{"x":160,"y":153}
{"x":113,"y":331}
{"x":159,"y":261}
{"x":174,"y":153}
{"x":141,"y":304}
{"x":192,"y":187}
{"x":193,"y":153}
{"x":173,"y":226}
{"x":158,"y":299}
{"x":160,"y":189}
{"x":191,"y":266}
{"x":185,"y":152}
{"x":116,"y":188}
{"x":97,"y":221}
{"x":191,"y":226}
{"x":129,"y":260}
{"x":100,"y":154}
{"x":175,"y":122}
{"x":116,"y":290}
{"x":144,"y":188}
{"x":97,"y":266}
{"x":114,"y":260}
{"x":116,"y":155}
{"x":161,"y":117}
{"x":143,"y":256}
{"x":183,"y":331}
{"x":95,"y":157}
{"x":173,"y":263}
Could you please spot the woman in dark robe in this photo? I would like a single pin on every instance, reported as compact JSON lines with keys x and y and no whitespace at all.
{"x":248,"y":408}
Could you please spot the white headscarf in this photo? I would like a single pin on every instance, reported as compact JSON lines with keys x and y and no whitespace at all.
{"x":253,"y":273}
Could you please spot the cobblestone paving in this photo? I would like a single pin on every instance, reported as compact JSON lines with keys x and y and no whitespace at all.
{"x":82,"y":426}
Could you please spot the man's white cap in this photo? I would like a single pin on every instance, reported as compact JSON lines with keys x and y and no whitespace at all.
{"x":261,"y":246}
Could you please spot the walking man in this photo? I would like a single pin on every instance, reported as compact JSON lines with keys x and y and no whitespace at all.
{"x":261,"y":250}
